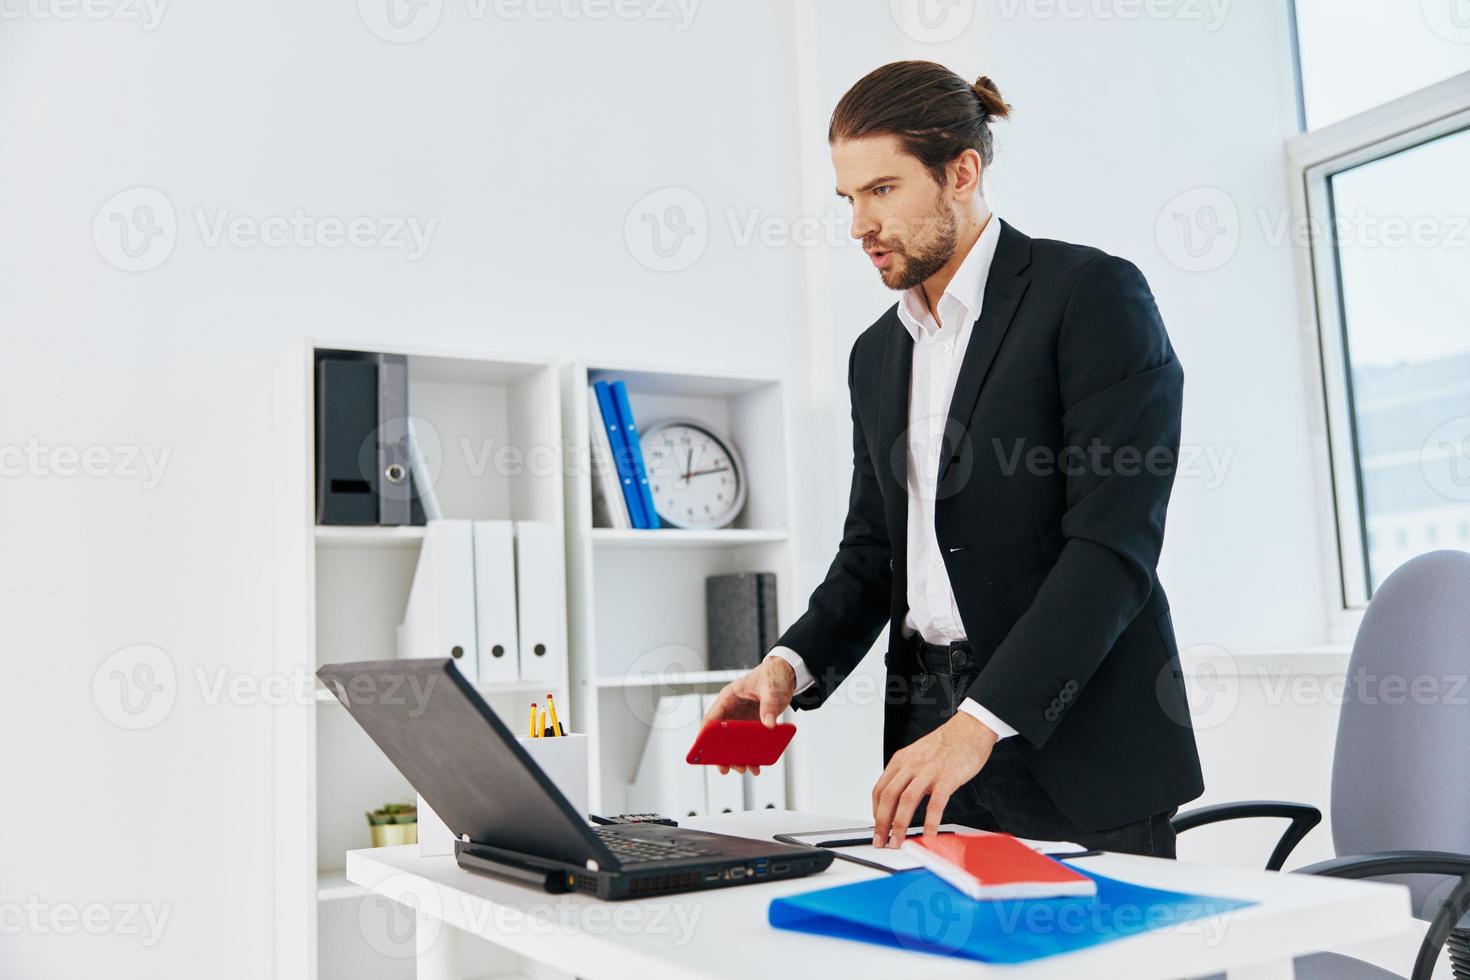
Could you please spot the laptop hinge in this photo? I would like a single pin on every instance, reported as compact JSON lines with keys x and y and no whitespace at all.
{"x":503,"y":856}
{"x":507,"y":865}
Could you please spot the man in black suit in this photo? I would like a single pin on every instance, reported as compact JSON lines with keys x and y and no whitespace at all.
{"x":1015,"y":435}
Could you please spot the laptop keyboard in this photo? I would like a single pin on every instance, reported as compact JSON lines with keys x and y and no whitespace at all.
{"x":648,"y":848}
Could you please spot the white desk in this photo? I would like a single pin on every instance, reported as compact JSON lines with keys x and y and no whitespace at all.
{"x":723,"y":933}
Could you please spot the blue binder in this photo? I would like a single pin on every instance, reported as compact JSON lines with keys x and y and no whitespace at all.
{"x":918,"y":910}
{"x":622,"y":463}
{"x":635,"y":449}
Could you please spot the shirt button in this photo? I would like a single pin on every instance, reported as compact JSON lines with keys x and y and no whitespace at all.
{"x":944,"y":348}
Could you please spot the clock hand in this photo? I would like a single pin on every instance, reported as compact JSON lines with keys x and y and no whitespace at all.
{"x":688,"y":463}
{"x":715,"y":469}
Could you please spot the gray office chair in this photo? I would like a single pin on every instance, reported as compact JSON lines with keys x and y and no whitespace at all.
{"x":1401,"y":767}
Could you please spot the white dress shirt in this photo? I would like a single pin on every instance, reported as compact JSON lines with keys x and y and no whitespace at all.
{"x":939,"y":350}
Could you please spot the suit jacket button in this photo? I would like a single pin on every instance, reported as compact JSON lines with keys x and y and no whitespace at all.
{"x":1050,"y":714}
{"x":1065,"y":696}
{"x":1056,"y":704}
{"x":1070,"y":686}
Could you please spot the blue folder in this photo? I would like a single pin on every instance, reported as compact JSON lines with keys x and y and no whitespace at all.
{"x":622,"y":454}
{"x":635,"y":450}
{"x":919,"y":910}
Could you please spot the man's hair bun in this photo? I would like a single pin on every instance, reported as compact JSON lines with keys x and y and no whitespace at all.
{"x":990,"y":101}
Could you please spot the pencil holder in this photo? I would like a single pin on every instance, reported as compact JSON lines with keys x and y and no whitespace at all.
{"x":564,"y":760}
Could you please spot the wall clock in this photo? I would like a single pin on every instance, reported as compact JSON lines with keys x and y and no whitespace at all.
{"x":696,"y":476}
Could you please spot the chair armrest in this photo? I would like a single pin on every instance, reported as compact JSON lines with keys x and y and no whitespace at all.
{"x":1392,"y":863}
{"x":1408,"y":863}
{"x":1302,"y":816}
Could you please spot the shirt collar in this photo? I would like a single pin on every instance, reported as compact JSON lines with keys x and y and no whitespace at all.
{"x":967,"y":288}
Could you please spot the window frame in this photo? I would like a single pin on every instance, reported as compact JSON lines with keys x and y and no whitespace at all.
{"x":1312,"y":159}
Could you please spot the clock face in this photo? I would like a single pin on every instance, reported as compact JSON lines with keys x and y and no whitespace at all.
{"x":696,"y":479}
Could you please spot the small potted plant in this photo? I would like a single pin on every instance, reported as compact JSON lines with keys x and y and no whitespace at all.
{"x":394,"y":823}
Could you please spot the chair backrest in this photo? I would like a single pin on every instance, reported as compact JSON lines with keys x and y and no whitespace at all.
{"x":1401,"y":771}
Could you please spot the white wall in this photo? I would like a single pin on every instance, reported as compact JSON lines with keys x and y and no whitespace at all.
{"x":528,"y":140}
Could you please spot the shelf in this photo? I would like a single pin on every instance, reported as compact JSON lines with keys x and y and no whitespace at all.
{"x":608,"y":537}
{"x":371,"y":536}
{"x":673,"y":677}
{"x":503,"y":687}
{"x":333,"y":886}
{"x":654,"y":380}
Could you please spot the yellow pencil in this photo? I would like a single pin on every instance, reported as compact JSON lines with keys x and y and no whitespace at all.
{"x":543,"y":723}
{"x":534,"y":732}
{"x":551,"y":706}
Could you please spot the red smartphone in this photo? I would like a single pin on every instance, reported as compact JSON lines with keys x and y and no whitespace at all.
{"x":724,"y":742}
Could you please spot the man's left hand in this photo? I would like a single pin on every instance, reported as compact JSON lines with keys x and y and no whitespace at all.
{"x":936,"y":765}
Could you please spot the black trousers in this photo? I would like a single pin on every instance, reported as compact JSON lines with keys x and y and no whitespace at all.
{"x":1004,"y":796}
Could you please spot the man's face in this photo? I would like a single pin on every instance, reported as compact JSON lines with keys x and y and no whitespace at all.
{"x":906,"y":221}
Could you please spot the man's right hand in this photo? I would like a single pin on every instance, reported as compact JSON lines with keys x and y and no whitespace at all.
{"x":763,"y":693}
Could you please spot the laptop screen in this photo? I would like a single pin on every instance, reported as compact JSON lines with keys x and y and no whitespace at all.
{"x":457,"y":753}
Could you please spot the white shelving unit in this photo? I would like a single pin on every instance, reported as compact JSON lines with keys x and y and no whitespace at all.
{"x":495,"y":439}
{"x":341,"y":536}
{"x":637,"y":597}
{"x":609,"y":538}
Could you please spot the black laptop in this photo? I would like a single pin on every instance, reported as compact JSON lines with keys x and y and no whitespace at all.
{"x":508,"y":816}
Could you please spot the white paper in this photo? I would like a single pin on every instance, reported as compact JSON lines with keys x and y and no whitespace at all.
{"x":893,"y":857}
{"x":889,"y":857}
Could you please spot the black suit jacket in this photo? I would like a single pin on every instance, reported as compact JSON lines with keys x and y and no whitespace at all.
{"x":1058,"y":459}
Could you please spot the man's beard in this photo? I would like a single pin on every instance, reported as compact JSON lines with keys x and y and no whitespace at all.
{"x":927,"y":257}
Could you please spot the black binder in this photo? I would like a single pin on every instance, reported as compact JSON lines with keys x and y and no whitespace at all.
{"x":740,"y":618}
{"x":362,"y":462}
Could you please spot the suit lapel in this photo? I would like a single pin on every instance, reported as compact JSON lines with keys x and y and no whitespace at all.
{"x":893,"y":394}
{"x":893,"y":420}
{"x":1004,"y":287}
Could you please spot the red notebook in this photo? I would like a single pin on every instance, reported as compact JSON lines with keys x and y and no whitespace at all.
{"x":985,"y":865}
